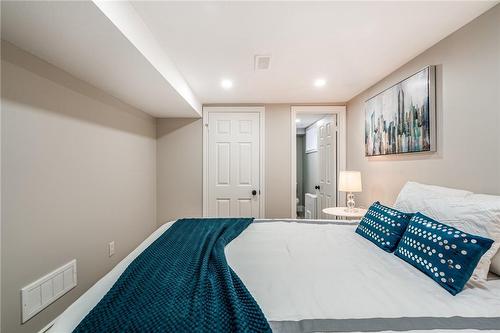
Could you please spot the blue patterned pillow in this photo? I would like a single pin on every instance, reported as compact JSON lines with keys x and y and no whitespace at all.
{"x":383,"y":226}
{"x":447,"y":255}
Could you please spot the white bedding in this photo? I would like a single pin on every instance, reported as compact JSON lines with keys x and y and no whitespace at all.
{"x":301,"y":271}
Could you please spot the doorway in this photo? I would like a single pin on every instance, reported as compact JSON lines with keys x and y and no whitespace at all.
{"x":318,"y":154}
{"x":233,"y":161}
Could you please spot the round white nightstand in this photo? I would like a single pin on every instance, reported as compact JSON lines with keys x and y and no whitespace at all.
{"x":343,"y":212}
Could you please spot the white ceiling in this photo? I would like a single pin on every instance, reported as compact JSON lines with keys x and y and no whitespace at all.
{"x":77,"y":37}
{"x":167,"y":58}
{"x":351,"y":44}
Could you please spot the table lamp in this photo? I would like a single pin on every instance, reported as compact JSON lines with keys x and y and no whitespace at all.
{"x":350,"y":181}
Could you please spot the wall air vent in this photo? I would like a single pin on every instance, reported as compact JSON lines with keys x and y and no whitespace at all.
{"x":262,"y":62}
{"x":41,"y":293}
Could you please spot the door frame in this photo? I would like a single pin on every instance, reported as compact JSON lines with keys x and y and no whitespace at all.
{"x":340,"y":112}
{"x":262,"y":129}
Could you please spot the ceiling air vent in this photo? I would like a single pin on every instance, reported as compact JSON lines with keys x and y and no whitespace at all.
{"x":262,"y":62}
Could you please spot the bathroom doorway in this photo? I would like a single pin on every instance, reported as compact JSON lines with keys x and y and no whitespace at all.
{"x":316,"y":160}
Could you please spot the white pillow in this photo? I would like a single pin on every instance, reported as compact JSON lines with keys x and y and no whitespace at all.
{"x":477,"y":214}
{"x":495,"y":264}
{"x":411,"y":197}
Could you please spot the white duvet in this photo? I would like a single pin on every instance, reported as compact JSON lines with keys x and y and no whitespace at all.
{"x":313,"y":271}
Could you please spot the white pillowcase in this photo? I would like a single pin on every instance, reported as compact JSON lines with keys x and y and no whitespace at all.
{"x":412,"y":194}
{"x":477,"y":214}
{"x":495,"y":264}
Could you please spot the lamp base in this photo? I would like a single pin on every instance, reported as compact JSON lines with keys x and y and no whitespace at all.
{"x":350,"y":203}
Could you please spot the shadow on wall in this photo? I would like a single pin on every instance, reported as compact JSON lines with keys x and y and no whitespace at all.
{"x":66,"y":106}
{"x":172,"y":125}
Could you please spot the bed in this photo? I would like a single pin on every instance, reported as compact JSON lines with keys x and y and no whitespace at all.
{"x":320,"y":276}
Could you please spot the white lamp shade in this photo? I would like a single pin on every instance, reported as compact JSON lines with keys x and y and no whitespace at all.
{"x":350,"y":181}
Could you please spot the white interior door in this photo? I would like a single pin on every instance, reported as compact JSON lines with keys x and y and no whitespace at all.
{"x":233,"y":164}
{"x":327,"y":148}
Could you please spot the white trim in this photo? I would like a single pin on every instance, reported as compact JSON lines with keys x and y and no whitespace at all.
{"x":262,"y":130}
{"x":340,"y":111}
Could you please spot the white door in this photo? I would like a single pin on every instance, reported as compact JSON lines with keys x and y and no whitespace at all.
{"x":327,"y":148}
{"x":233,"y":164}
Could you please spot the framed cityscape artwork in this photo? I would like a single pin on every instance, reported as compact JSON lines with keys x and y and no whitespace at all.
{"x":401,"y":119}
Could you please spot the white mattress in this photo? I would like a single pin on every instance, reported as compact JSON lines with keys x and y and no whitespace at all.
{"x":301,"y":271}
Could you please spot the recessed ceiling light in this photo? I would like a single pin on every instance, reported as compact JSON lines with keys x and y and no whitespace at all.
{"x":319,"y":82}
{"x":226,"y":84}
{"x":297,"y":120}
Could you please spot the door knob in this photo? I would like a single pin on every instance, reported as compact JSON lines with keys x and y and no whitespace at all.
{"x":254,"y":192}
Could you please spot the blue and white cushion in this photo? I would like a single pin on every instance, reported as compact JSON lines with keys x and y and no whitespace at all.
{"x":446,"y":254}
{"x":383,"y":226}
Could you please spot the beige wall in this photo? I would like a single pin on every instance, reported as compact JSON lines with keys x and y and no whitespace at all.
{"x":78,"y":171}
{"x":468,"y":118}
{"x":180,"y":156}
{"x":278,"y":155}
{"x":179,"y":168}
{"x":180,"y":181}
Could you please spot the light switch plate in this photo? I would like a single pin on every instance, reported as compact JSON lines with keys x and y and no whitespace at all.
{"x":111,"y":248}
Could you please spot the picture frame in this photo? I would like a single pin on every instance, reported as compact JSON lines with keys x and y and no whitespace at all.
{"x":401,"y":119}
